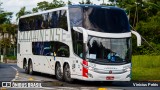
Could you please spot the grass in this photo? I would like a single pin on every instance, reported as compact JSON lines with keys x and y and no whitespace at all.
{"x":145,"y":68}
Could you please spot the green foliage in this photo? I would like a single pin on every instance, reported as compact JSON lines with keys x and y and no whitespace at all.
{"x":4,"y":16}
{"x":6,"y":42}
{"x":150,"y":30}
{"x":22,"y":12}
{"x":8,"y":29}
{"x":11,"y":57}
{"x":87,"y":2}
{"x":44,"y":5}
{"x":69,"y":2}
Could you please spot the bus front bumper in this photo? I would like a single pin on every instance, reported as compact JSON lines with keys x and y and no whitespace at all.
{"x":94,"y":76}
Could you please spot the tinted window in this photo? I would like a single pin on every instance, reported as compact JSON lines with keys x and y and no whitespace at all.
{"x":41,"y":48}
{"x":45,"y":21}
{"x":53,"y":19}
{"x":38,"y":21}
{"x":63,"y":20}
{"x":61,"y":49}
{"x":75,"y":17}
{"x":110,"y":20}
{"x":56,"y":19}
{"x":49,"y":48}
{"x":77,"y":39}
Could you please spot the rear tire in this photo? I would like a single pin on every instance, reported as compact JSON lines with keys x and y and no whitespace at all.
{"x":67,"y":74}
{"x":58,"y":72}
{"x":26,"y":68}
{"x":30,"y":68}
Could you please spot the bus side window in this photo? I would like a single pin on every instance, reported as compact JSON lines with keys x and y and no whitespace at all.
{"x":77,"y":43}
{"x":27,"y":24}
{"x":37,"y":22}
{"x":63,"y":20}
{"x":31,"y":23}
{"x":54,"y":19}
{"x":21,"y":25}
{"x":47,"y":49}
{"x":44,"y":24}
{"x":61,"y":49}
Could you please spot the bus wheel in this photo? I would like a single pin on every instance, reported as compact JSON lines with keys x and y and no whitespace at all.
{"x":30,"y":68}
{"x":26,"y":68}
{"x":58,"y":72}
{"x":67,"y":73}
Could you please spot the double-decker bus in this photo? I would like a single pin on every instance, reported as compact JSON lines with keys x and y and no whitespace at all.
{"x":85,"y":42}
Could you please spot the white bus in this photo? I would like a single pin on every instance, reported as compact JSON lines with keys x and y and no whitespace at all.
{"x":85,"y":42}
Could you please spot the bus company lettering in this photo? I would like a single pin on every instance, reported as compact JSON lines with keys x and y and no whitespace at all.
{"x":43,"y":35}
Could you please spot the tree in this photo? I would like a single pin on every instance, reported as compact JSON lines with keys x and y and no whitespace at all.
{"x":82,"y":2}
{"x":41,"y":6}
{"x":87,"y":2}
{"x":6,"y":30}
{"x":4,"y":42}
{"x":1,"y":8}
{"x":22,"y":12}
{"x":69,"y":2}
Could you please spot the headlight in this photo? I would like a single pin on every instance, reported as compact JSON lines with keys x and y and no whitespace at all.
{"x":127,"y":68}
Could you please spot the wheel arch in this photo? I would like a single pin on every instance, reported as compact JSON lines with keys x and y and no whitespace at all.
{"x":30,"y":60}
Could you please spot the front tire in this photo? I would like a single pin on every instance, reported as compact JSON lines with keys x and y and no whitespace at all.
{"x":67,"y":73}
{"x":58,"y":72}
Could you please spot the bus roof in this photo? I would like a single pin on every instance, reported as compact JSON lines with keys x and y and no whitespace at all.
{"x":47,"y":11}
{"x":71,"y":6}
{"x":95,"y":6}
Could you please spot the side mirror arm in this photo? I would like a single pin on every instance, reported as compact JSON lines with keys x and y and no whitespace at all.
{"x":138,"y":37}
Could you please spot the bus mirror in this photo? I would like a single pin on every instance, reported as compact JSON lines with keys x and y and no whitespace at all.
{"x":138,"y":37}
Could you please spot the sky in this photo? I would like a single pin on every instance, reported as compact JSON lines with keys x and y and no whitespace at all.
{"x":15,"y":5}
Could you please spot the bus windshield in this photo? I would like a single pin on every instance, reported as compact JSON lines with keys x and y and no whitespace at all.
{"x":105,"y":50}
{"x":101,"y":19}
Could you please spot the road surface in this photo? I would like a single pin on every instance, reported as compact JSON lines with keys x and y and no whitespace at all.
{"x":10,"y":72}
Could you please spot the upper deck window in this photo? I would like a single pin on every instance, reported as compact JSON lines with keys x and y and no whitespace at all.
{"x":55,"y":19}
{"x":110,"y":20}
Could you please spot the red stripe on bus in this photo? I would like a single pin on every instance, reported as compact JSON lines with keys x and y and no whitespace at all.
{"x":85,"y":70}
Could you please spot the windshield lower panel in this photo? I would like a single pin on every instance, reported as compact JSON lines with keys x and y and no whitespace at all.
{"x":109,"y":51}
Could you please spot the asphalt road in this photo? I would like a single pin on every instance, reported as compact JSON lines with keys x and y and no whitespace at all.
{"x":10,"y":72}
{"x":7,"y":73}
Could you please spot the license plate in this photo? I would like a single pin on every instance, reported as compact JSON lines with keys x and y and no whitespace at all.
{"x":110,"y":78}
